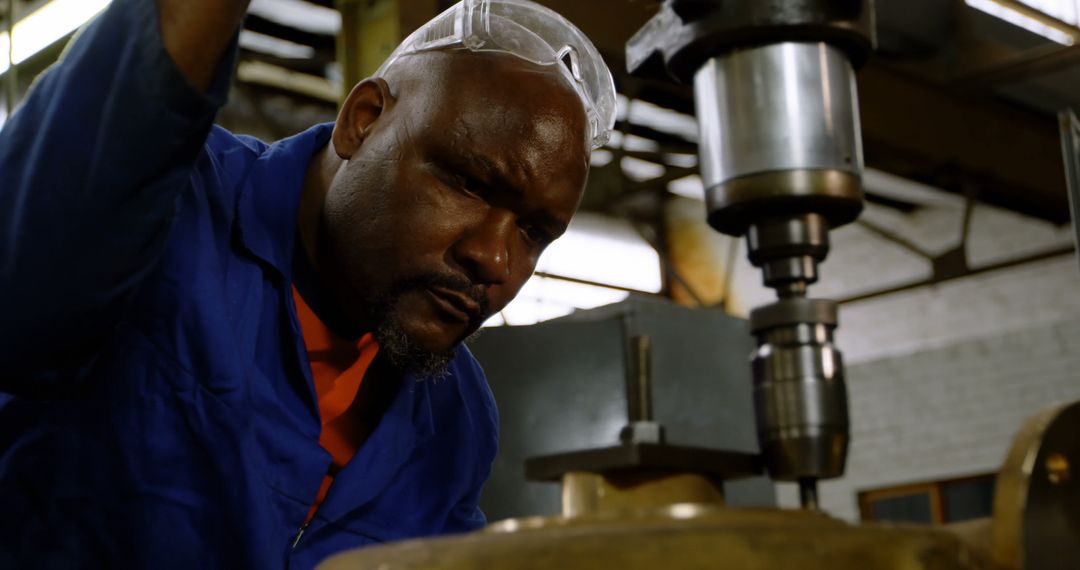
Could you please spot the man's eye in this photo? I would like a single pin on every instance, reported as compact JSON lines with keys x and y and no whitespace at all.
{"x":536,"y":235}
{"x":454,"y":181}
{"x":464,"y":184}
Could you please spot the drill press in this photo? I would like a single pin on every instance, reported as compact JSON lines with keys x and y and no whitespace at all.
{"x":781,"y":161}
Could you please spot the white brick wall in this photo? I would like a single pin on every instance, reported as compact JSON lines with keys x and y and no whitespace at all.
{"x":984,"y":305}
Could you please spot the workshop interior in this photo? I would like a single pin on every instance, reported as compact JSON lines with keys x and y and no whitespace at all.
{"x":820,"y":307}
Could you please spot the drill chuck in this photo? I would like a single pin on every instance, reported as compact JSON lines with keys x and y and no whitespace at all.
{"x":799,"y":394}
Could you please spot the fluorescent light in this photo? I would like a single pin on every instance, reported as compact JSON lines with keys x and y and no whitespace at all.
{"x":47,"y":25}
{"x":274,"y":46}
{"x":5,"y":46}
{"x":1016,"y":18}
{"x":634,"y":142}
{"x":52,"y":22}
{"x":663,"y":119}
{"x":298,"y":14}
{"x":600,"y":157}
{"x":55,"y":20}
{"x":1064,"y":10}
{"x":681,"y":160}
{"x":616,"y":139}
{"x":688,"y":187}
{"x":622,"y":106}
{"x":262,"y":73}
{"x":641,"y":170}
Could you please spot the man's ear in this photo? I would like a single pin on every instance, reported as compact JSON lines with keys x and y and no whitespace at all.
{"x":366,"y":103}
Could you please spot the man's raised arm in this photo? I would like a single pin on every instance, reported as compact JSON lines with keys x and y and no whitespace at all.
{"x":91,"y":169}
{"x":196,"y":34}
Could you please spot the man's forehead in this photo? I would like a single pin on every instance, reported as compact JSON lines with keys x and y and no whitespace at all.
{"x":519,"y":165}
{"x":518,"y":125}
{"x":500,"y":105}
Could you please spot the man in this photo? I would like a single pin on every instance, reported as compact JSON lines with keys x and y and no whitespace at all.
{"x":218,"y":353}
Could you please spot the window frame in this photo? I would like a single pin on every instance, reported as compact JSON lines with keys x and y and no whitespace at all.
{"x":935,"y":489}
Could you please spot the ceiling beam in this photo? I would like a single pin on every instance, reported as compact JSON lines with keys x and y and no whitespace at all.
{"x":1011,"y":157}
{"x":321,"y":43}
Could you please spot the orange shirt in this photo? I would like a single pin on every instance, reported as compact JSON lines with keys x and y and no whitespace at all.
{"x":338,"y":367}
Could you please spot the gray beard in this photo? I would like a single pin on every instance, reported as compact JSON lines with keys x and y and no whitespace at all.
{"x":406,"y":355}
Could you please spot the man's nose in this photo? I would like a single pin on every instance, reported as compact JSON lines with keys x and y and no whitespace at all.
{"x":483,"y":250}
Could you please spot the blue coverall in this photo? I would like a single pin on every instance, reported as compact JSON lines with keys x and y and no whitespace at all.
{"x":156,"y":402}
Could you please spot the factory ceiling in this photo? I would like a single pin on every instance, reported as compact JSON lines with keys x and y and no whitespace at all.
{"x":954,"y":98}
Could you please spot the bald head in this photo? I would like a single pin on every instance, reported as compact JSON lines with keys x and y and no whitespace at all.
{"x":483,"y":87}
{"x":456,"y":170}
{"x":492,"y":99}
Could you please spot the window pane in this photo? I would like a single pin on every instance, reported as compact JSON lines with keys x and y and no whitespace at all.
{"x":604,"y":250}
{"x":968,"y":499}
{"x":544,"y":298}
{"x":914,"y":508}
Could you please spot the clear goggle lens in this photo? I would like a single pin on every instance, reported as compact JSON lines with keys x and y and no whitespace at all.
{"x":531,"y":32}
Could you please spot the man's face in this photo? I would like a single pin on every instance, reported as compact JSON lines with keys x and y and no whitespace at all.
{"x":439,"y":217}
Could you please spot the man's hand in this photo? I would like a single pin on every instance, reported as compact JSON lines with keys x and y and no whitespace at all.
{"x":197,"y":32}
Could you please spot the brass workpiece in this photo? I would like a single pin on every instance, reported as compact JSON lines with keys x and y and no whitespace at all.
{"x":629,"y":520}
{"x":1036,"y":522}
{"x":585,"y":494}
{"x":681,"y":536}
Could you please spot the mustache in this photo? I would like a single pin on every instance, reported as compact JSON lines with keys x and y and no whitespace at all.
{"x":453,"y":282}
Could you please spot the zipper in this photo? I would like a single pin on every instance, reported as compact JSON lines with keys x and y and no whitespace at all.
{"x":299,"y":535}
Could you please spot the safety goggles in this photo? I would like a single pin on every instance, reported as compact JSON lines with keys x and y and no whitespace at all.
{"x":527,"y":31}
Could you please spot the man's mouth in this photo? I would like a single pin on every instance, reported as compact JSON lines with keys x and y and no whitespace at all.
{"x":455,"y":304}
